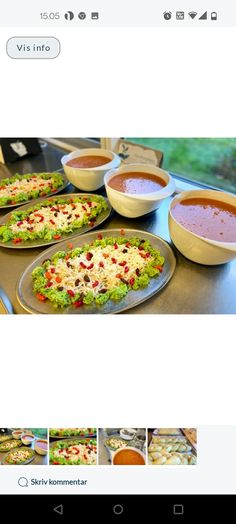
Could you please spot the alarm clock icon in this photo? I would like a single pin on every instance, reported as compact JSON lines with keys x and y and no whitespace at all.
{"x":167,"y":15}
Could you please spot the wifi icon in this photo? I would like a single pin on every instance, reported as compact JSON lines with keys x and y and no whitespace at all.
{"x":192,"y":14}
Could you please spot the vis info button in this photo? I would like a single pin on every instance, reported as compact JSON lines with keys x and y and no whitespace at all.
{"x":34,"y":47}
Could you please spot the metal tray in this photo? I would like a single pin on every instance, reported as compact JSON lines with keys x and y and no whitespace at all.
{"x":21,"y":464}
{"x":31,"y":200}
{"x":27,"y":244}
{"x":30,"y":303}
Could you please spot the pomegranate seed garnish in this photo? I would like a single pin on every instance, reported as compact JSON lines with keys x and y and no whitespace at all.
{"x":49,"y":284}
{"x":95,"y":284}
{"x":101,"y":264}
{"x":78,"y":303}
{"x":122,"y":264}
{"x":52,"y":270}
{"x":89,"y":255}
{"x":126,"y":269}
{"x":131,"y":281}
{"x":19,"y":223}
{"x":70,"y":292}
{"x":82,"y":265}
{"x":113,"y":260}
{"x":115,"y":245}
{"x":148,"y":254}
{"x":90,"y":266}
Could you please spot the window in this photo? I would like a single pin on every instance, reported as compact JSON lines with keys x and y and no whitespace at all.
{"x":210,"y":161}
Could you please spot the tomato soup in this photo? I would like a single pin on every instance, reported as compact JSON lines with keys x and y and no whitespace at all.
{"x":136,"y":183}
{"x":208,"y":218}
{"x":88,"y":161}
{"x":128,"y":457}
{"x":41,"y":444}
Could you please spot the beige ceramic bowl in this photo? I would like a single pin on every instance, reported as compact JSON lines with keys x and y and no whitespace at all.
{"x":40,"y":450}
{"x":133,"y":206}
{"x":27,"y":439}
{"x":196,"y":248}
{"x":89,"y":179}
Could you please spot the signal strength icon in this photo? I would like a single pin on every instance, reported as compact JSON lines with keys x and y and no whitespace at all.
{"x":192,"y":14}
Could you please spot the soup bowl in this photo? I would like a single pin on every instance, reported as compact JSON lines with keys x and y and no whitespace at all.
{"x":135,"y":205}
{"x":89,"y":178}
{"x":128,"y":456}
{"x":27,"y":439}
{"x":196,"y":247}
{"x":41,"y":446}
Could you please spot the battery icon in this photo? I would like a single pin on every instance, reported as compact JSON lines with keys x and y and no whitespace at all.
{"x":213,"y":15}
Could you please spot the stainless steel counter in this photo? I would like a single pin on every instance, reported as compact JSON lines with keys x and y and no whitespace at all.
{"x":193,"y":288}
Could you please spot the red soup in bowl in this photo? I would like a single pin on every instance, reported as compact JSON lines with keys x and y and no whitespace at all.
{"x":88,"y":161}
{"x":207,"y":218}
{"x":128,"y":457}
{"x":136,"y":183}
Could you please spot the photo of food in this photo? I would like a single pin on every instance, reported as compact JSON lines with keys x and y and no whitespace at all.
{"x":122,"y":447}
{"x":172,"y":446}
{"x":106,"y":226}
{"x":19,"y":447}
{"x":73,"y":447}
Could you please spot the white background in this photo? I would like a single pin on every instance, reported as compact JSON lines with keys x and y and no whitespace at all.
{"x":156,"y":371}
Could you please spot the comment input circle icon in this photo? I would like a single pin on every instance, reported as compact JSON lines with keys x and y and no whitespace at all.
{"x":23,"y":482}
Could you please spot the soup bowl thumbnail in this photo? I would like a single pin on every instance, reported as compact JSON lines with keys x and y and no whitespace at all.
{"x":128,"y":456}
{"x":27,"y":439}
{"x":17,"y":433}
{"x":133,"y":205}
{"x":84,"y":170}
{"x":194,"y":246}
{"x":41,"y":446}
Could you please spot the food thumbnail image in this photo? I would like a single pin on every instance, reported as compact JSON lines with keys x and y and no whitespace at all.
{"x":21,"y":446}
{"x":122,"y":447}
{"x":172,"y":446}
{"x":73,"y":446}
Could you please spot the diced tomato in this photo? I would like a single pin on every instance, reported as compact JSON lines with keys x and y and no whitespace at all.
{"x":100,"y":236}
{"x":90,"y":266}
{"x":101,"y":264}
{"x":131,"y":281}
{"x":119,"y":275}
{"x":115,"y":245}
{"x":41,"y":297}
{"x":89,"y":255}
{"x":114,"y":261}
{"x":159,"y":267}
{"x":70,"y":292}
{"x":56,"y":237}
{"x":58,"y":280}
{"x":82,"y":265}
{"x":17,"y":240}
{"x":126,"y":269}
{"x":48,"y":275}
{"x":105,"y":255}
{"x":78,"y":303}
{"x":95,"y":284}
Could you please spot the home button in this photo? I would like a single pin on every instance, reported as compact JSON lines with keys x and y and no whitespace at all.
{"x":118,"y":509}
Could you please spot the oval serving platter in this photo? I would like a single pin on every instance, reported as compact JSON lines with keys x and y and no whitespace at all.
{"x":66,"y":236}
{"x":133,"y":298}
{"x":33,"y":200}
{"x":30,"y":459}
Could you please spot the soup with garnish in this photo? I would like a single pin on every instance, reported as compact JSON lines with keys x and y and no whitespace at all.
{"x":88,"y":161}
{"x":207,"y":217}
{"x":136,"y":183}
{"x":128,"y":457}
